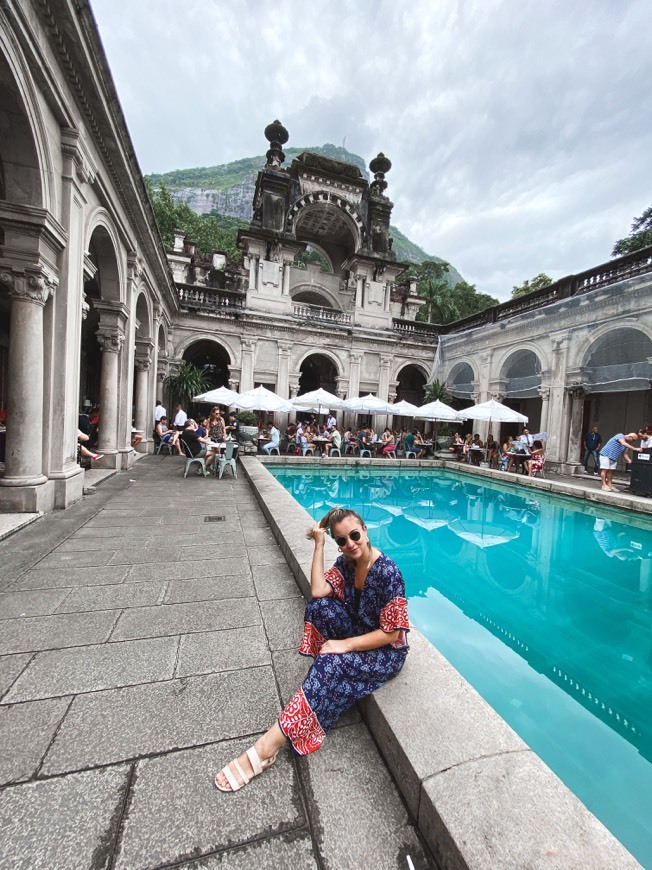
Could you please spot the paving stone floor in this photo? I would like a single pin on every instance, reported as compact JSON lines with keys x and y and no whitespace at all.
{"x":141,"y":648}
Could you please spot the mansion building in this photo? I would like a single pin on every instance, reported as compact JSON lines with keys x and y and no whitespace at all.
{"x":93,"y":307}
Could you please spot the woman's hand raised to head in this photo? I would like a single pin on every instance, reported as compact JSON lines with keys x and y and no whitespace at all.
{"x":317,"y":533}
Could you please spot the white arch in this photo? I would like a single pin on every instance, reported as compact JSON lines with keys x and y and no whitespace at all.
{"x":417,"y":365}
{"x":500,"y":362}
{"x":19,"y":69}
{"x":317,"y":289}
{"x":196,"y":337}
{"x":457,"y":365}
{"x":99,"y":218}
{"x":321,"y":352}
{"x":326,"y":197}
{"x":144,"y":329}
{"x":583,"y":347}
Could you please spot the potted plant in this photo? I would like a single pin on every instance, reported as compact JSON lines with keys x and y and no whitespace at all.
{"x":248,"y":421}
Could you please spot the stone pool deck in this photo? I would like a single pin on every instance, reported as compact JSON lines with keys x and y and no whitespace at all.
{"x":142,"y":646}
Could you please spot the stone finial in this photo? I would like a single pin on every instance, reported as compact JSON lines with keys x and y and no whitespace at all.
{"x":379,"y":166}
{"x":277,"y":136}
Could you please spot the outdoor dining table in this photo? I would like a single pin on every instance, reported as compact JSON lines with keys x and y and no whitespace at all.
{"x":320,"y":442}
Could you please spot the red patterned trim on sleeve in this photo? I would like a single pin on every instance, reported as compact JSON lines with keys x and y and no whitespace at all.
{"x":394,"y":615}
{"x":336,"y":580}
{"x":312,"y":641}
{"x":301,"y":726}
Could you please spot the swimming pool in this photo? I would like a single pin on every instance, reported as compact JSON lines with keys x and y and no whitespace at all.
{"x":543,"y":604}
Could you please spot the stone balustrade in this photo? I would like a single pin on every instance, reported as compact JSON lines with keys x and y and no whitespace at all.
{"x":211,"y":300}
{"x":322,"y":315}
{"x":416,"y":328}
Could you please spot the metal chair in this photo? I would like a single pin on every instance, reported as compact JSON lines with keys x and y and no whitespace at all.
{"x":227,"y":458}
{"x":273,"y":451}
{"x":190,"y":459}
{"x":410,"y":454}
{"x":161,"y":445}
{"x":307,"y":450}
{"x":334,"y":451}
{"x":350,"y":447}
{"x":365,"y":452}
{"x":391,"y":454}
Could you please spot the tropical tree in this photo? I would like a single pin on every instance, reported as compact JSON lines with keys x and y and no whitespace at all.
{"x":186,"y":382}
{"x":436,"y":391}
{"x":639,"y":237}
{"x":537,"y":283}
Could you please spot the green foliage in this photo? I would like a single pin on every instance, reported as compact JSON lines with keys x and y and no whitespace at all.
{"x":537,"y":283}
{"x":310,"y":255}
{"x":444,"y":303}
{"x":436,"y":391}
{"x":186,"y":382}
{"x":639,"y":237}
{"x":248,"y":418}
{"x":212,"y":232}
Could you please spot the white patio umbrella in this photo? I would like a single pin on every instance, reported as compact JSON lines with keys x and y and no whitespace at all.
{"x":492,"y":411}
{"x":261,"y":399}
{"x":483,"y":534}
{"x":404,"y":409}
{"x":220,"y":396}
{"x":438,"y":411}
{"x":317,"y":400}
{"x":367,"y":405}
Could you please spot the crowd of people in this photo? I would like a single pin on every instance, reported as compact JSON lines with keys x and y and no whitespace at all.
{"x":525,"y":453}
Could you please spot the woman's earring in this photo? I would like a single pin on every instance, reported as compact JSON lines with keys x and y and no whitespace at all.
{"x":339,"y":549}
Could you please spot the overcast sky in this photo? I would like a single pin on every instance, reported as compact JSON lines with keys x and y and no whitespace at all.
{"x":520,"y":131}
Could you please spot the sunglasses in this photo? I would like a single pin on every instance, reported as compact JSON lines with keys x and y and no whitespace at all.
{"x":355,"y":536}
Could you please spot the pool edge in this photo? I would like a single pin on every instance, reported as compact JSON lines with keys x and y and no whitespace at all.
{"x":479,"y":795}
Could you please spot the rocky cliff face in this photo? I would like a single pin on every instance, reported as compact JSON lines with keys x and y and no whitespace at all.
{"x":235,"y":201}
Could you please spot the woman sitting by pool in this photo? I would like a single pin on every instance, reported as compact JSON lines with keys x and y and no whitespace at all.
{"x":355,"y":629}
{"x":536,"y":460}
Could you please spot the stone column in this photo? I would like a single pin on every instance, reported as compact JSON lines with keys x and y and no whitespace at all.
{"x":248,"y":357}
{"x":110,"y":342}
{"x":573,"y":456}
{"x":29,"y":291}
{"x":556,"y":446}
{"x":544,"y":392}
{"x":142,"y":365}
{"x":283,"y":380}
{"x":383,"y":388}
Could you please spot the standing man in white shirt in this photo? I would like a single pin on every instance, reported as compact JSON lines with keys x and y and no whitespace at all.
{"x":180,"y":419}
{"x":159,"y":411}
{"x":526,"y":438}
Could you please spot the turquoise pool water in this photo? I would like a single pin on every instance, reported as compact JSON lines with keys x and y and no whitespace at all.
{"x":543,"y":604}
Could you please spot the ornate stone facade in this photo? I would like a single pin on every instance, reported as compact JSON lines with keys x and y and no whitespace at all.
{"x":93,"y":309}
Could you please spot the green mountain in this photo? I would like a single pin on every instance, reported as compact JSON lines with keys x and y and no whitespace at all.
{"x":226,"y":192}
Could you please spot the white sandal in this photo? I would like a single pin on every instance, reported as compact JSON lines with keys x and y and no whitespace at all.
{"x":257,"y":766}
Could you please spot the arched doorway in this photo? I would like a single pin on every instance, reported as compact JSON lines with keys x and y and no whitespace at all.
{"x":616,"y":374}
{"x":317,"y":370}
{"x":411,"y":384}
{"x":212,"y":358}
{"x":521,"y":379}
{"x":101,"y":381}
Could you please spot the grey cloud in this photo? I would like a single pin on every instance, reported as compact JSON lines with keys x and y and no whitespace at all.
{"x":519,"y":132}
